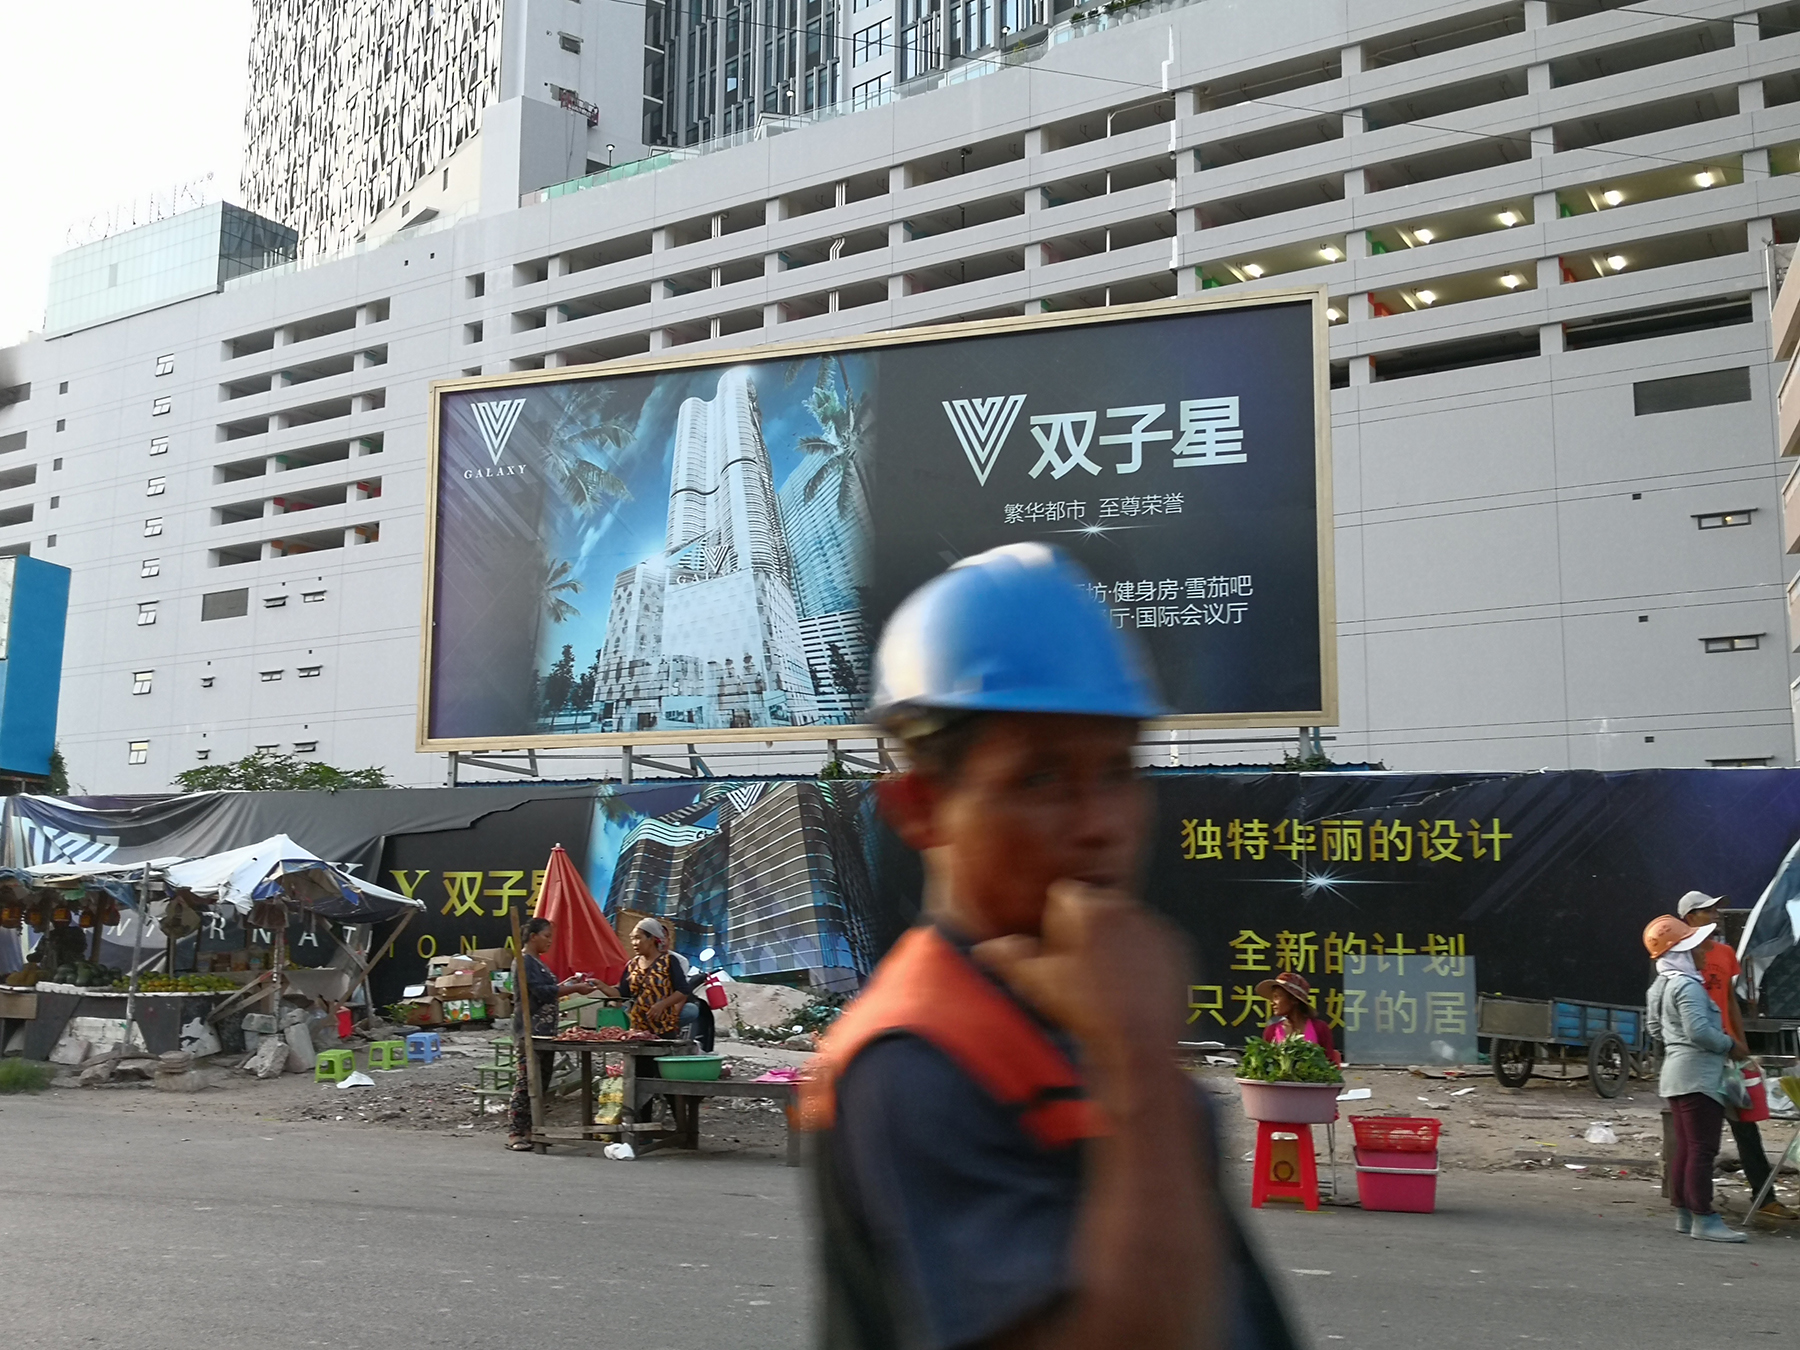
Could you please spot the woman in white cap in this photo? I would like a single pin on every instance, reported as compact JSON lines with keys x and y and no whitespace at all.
{"x":1698,"y":1078}
{"x":654,"y":981}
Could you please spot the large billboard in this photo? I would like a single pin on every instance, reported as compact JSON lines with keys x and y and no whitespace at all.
{"x":706,"y":547}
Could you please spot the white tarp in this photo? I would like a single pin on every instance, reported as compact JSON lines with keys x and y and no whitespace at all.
{"x":241,"y":876}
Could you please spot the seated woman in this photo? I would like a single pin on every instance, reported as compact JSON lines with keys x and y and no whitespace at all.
{"x":655,"y":982}
{"x":1291,"y":1000}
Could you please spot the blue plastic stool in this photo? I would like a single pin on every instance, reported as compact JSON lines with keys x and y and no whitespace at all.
{"x":424,"y":1047}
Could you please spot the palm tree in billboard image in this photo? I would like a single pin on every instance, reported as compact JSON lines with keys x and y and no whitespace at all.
{"x":576,"y":454}
{"x":837,"y":455}
{"x":580,"y":461}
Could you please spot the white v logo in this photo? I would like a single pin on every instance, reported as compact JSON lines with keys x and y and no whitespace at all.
{"x":982,"y":425}
{"x":497,"y":421}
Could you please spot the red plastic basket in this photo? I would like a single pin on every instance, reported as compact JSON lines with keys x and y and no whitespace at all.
{"x":1396,"y":1134}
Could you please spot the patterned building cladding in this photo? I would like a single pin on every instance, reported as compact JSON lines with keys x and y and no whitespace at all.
{"x":353,"y":101}
{"x":778,"y":887}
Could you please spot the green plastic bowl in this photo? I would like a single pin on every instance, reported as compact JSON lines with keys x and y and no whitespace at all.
{"x":689,"y":1068}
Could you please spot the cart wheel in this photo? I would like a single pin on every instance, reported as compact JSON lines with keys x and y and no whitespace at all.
{"x":1512,"y":1062}
{"x":1609,"y":1063}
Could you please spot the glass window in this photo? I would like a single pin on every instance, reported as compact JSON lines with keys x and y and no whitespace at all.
{"x":234,"y":604}
{"x":165,"y":365}
{"x":270,"y":676}
{"x":160,"y":407}
{"x":309,"y":672}
{"x":155,"y":487}
{"x":1747,"y":642}
{"x":159,"y":445}
{"x":146,"y":613}
{"x":137,"y":752}
{"x":140,"y":681}
{"x":150,"y":567}
{"x":153,"y":527}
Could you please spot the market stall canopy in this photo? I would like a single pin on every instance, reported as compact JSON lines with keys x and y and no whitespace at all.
{"x":120,"y":881}
{"x":278,"y":868}
{"x":585,"y":942}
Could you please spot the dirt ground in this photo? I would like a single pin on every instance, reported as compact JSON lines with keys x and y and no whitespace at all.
{"x":441,"y":1097}
{"x":1542,"y":1126}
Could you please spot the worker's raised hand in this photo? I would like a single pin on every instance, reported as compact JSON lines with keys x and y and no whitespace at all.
{"x":1105,"y":968}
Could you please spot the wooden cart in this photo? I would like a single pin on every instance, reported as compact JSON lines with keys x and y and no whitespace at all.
{"x":1610,"y":1036}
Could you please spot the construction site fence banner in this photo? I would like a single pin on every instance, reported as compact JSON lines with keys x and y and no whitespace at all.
{"x":1420,"y":888}
{"x":705,"y":548}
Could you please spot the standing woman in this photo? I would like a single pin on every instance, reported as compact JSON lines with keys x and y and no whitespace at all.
{"x":544,"y":990}
{"x":654,"y":982}
{"x":1698,"y":1078}
{"x":1291,"y":1000}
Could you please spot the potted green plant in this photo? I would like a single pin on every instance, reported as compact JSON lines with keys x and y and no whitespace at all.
{"x":1288,"y":1081}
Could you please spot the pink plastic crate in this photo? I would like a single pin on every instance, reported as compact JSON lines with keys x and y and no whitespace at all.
{"x":1396,"y":1181}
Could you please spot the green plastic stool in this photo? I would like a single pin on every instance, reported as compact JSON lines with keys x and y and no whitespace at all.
{"x":387,"y":1055}
{"x":334,"y":1066}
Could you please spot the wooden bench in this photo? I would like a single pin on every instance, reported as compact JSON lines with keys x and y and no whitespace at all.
{"x":639,"y":1090}
{"x":687,"y":1097}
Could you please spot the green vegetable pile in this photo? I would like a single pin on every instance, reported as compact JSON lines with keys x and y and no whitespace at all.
{"x":1294,"y":1060}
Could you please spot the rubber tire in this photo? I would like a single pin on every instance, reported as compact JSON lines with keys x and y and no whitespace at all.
{"x":1609,"y":1064}
{"x":1521,"y":1052}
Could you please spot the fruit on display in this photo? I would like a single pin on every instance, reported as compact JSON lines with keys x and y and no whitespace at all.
{"x":84,"y":974}
{"x":181,"y":984}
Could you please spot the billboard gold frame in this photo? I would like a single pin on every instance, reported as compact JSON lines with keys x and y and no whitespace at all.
{"x":1317,"y":296}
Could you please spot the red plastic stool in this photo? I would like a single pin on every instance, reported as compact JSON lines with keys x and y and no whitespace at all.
{"x":1285,"y":1168}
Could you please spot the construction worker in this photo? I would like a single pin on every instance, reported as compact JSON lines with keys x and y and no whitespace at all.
{"x":1009,"y":1155}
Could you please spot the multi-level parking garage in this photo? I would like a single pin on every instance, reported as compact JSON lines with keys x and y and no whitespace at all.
{"x":1545,"y":228}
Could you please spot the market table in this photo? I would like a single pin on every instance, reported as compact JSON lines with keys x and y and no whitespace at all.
{"x":638,"y":1090}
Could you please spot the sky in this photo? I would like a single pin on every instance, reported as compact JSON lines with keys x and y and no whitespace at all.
{"x":102,"y":103}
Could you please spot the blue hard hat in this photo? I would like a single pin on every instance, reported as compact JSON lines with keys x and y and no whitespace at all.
{"x":1015,"y":629}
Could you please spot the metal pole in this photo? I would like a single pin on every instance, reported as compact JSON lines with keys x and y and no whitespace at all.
{"x":137,"y":951}
{"x":625,"y":764}
{"x":522,"y":994}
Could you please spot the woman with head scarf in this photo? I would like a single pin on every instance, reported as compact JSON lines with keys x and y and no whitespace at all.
{"x":654,"y":981}
{"x":1295,"y":1014}
{"x":1698,"y":1078}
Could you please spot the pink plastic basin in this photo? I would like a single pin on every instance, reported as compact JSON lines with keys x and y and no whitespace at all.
{"x":1290,"y":1103}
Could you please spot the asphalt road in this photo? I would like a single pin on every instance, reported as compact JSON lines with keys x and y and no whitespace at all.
{"x":128,"y":1219}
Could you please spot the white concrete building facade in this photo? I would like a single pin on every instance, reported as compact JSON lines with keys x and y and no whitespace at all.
{"x":1545,"y":225}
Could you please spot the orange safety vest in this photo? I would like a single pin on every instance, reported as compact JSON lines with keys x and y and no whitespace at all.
{"x":925,"y":987}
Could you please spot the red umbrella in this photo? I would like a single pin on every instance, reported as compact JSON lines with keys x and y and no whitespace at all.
{"x":585,"y":942}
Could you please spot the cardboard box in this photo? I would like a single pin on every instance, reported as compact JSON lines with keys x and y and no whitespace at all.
{"x":494,"y":958}
{"x":499,"y":1005}
{"x":423,"y":1012}
{"x":459,"y":985}
{"x":19,"y":1003}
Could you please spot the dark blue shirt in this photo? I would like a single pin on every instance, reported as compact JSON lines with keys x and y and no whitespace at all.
{"x":946,"y":1224}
